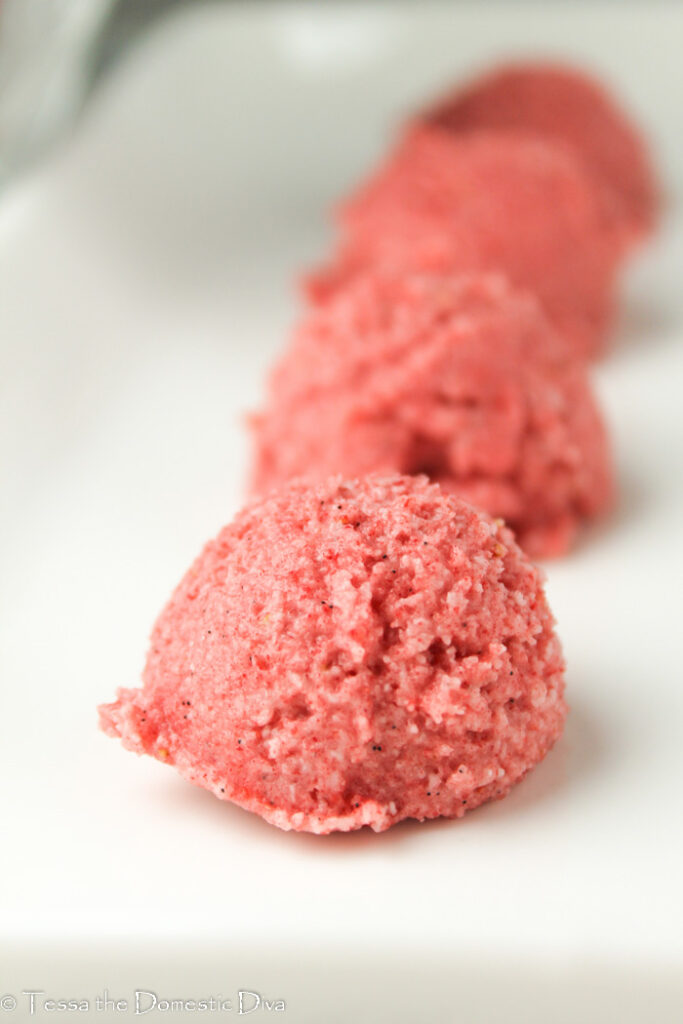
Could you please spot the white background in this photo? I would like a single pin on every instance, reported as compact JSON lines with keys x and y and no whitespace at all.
{"x":146,"y":279}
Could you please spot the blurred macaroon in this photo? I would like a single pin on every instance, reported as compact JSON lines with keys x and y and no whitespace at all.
{"x":566,"y":105}
{"x":460,"y":378}
{"x":487,"y":201}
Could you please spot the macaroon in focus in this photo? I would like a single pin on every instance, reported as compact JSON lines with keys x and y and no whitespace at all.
{"x":352,"y":653}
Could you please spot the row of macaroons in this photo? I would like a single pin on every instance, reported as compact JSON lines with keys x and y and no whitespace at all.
{"x":475,"y":273}
{"x":361,"y":645}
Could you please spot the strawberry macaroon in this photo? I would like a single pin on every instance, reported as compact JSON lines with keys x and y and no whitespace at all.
{"x":567,"y":105}
{"x":349,"y":653}
{"x":494,"y":202}
{"x":458,"y":377}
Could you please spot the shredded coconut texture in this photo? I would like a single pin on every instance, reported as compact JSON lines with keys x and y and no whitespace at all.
{"x":460,"y":378}
{"x":352,"y":653}
{"x":482,"y":201}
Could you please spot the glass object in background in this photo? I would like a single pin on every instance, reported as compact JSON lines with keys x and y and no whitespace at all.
{"x":44,"y":70}
{"x":52,"y":52}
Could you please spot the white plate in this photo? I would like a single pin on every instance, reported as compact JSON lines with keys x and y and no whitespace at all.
{"x":146,"y":277}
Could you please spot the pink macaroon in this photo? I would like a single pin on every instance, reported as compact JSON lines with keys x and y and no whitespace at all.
{"x":564,"y":104}
{"x":485,"y":201}
{"x":460,"y":378}
{"x":352,"y":653}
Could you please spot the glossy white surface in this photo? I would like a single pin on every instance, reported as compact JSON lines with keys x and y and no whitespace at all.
{"x":145,"y":282}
